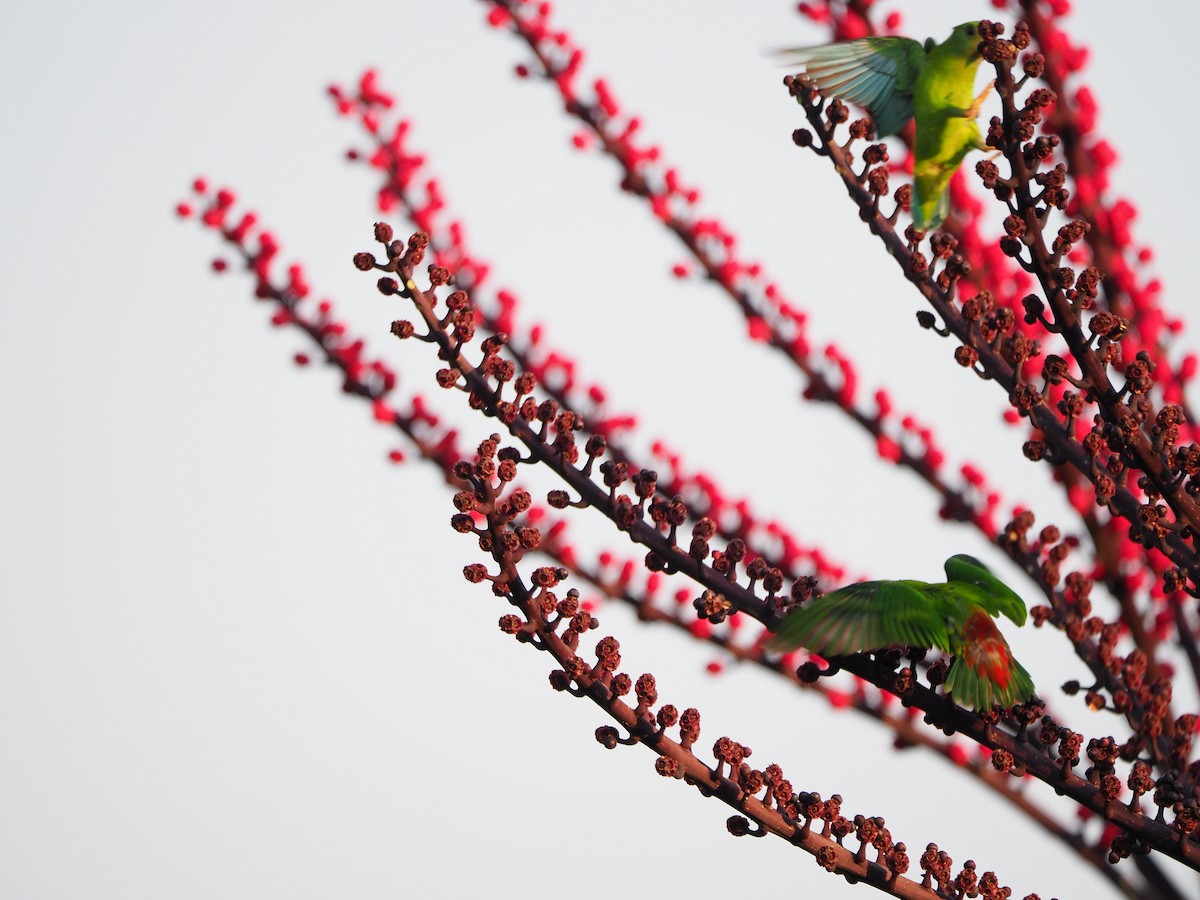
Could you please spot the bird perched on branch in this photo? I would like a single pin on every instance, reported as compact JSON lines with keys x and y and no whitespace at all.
{"x":896,"y":79}
{"x":955,"y":617}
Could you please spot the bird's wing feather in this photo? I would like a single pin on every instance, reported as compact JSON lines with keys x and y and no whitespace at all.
{"x":997,"y":597}
{"x":870,"y":615}
{"x":876,"y":73}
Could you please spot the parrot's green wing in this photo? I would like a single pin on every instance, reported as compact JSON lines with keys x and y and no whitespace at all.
{"x":997,"y":597}
{"x":876,"y":73}
{"x":870,"y":615}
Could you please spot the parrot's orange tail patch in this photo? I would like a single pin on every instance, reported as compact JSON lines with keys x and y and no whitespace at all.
{"x":985,"y":650}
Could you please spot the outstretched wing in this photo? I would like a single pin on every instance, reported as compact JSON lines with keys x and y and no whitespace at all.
{"x":870,"y":615}
{"x":876,"y":73}
{"x":997,"y":597}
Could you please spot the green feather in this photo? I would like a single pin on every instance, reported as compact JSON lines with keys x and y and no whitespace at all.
{"x":945,"y":133}
{"x":896,"y":79}
{"x":865,"y":616}
{"x":971,"y":689}
{"x":877,"y":73}
{"x":1000,"y":598}
{"x":955,"y":616}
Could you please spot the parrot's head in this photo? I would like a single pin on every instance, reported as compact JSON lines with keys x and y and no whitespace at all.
{"x":1005,"y":600}
{"x":964,"y":42}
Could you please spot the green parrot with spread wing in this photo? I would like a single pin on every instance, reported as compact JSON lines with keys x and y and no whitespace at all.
{"x":896,"y":79}
{"x":955,"y":617}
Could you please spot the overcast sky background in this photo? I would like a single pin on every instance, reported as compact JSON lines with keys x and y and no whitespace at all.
{"x":237,"y":658}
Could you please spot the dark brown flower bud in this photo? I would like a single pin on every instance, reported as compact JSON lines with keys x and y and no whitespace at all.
{"x":836,"y":113}
{"x":875,"y":154}
{"x":966,"y":356}
{"x":667,"y":767}
{"x":988,"y":173}
{"x":1021,"y":37}
{"x":738,"y":826}
{"x":827,"y":859}
{"x":1002,"y":760}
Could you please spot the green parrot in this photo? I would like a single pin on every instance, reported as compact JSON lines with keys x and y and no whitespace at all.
{"x":896,"y":79}
{"x":955,"y":617}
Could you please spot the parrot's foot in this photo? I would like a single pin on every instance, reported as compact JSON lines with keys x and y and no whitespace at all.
{"x":973,"y":111}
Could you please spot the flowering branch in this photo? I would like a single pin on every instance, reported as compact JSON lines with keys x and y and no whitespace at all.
{"x":981,"y":331}
{"x":1107,"y":411}
{"x":548,"y":437}
{"x":771,"y":318}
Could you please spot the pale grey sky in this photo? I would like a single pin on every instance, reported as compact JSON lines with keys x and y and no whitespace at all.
{"x":216,"y":671}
